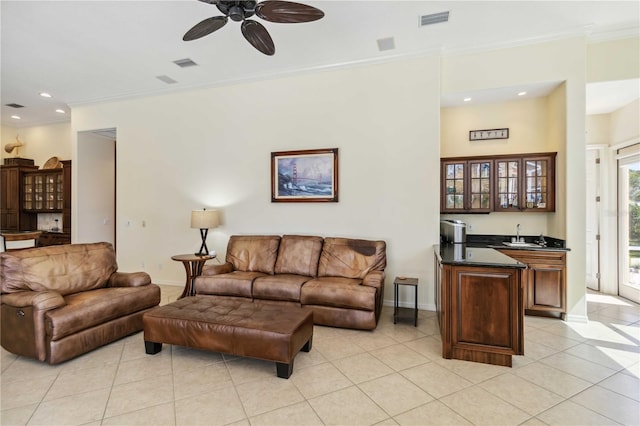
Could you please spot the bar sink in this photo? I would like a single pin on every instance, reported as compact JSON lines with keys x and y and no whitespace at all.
{"x":520,"y":244}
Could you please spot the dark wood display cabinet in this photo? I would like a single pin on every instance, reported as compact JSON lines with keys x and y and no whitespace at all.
{"x":28,"y":191}
{"x":544,"y":281}
{"x":498,"y":183}
{"x":12,"y":216}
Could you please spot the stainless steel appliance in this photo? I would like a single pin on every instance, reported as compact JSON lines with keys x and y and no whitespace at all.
{"x":453,"y":231}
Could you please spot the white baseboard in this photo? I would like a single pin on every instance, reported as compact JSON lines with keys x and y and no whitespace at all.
{"x":576,"y":318}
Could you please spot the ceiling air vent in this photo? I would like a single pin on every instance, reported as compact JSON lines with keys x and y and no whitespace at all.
{"x":166,"y":79}
{"x":434,"y":18}
{"x":386,"y":44}
{"x":184,"y":63}
{"x":15,"y":105}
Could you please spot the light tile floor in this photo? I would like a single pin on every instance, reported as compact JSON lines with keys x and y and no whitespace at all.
{"x":572,"y":374}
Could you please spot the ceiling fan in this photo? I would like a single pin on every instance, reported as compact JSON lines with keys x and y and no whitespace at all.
{"x":284,"y":12}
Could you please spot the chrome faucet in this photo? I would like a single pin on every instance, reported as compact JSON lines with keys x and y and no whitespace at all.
{"x":517,"y":233}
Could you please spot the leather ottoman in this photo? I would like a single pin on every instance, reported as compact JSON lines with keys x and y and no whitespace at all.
{"x":233,"y":326}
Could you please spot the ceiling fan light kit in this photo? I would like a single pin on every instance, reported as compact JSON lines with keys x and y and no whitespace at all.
{"x":284,"y":12}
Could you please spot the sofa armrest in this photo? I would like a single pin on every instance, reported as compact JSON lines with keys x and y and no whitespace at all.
{"x":40,"y":300}
{"x":23,"y":330}
{"x":129,"y":279}
{"x":374,"y":279}
{"x":224,"y":268}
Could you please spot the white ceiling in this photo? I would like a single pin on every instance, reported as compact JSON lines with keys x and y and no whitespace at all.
{"x":90,"y":51}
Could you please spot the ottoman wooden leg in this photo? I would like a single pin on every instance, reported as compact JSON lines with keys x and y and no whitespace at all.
{"x":152,"y":348}
{"x":284,"y":370}
{"x":307,"y":346}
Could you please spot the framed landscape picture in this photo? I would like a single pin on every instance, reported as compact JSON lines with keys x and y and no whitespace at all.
{"x":304,"y":176}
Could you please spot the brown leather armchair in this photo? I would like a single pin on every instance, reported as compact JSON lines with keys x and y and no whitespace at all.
{"x":59,"y":302}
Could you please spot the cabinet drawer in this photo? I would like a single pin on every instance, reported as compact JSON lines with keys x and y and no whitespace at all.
{"x":537,"y":257}
{"x":54,"y":239}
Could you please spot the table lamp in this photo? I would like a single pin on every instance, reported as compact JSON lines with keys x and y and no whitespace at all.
{"x":204,"y":220}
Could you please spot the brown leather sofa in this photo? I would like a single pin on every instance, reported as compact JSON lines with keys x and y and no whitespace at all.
{"x":58,"y":302}
{"x":340,"y":279}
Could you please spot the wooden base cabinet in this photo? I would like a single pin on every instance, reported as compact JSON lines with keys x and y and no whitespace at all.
{"x":545,"y":281}
{"x":481,"y":313}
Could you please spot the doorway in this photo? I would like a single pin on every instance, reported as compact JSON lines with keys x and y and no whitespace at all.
{"x":96,"y":186}
{"x":628,"y":160}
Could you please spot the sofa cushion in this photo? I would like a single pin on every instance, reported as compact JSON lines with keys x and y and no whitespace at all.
{"x":338,"y":292}
{"x":253,"y":253}
{"x":299,"y":254}
{"x":66,"y":269}
{"x":346,"y":257}
{"x":279,"y":287}
{"x":237,"y":283}
{"x":90,"y":308}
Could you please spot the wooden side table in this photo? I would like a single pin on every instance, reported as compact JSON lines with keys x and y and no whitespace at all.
{"x":397,"y":282}
{"x":193,"y":267}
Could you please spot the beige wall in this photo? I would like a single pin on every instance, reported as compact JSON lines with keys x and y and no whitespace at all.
{"x":211,"y":148}
{"x":40,"y":142}
{"x":625,"y":123}
{"x":613,"y":60}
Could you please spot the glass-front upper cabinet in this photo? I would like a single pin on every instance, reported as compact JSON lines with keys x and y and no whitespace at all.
{"x":504,"y":183}
{"x":508,"y":182}
{"x":526,"y":183}
{"x":480,"y":199}
{"x":453,"y":174}
{"x":466,"y":186}
{"x":43,"y":191}
{"x":536,"y":186}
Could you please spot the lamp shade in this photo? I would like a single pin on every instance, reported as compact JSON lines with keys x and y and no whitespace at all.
{"x":205,"y":219}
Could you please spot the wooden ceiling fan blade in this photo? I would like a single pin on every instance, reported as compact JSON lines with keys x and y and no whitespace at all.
{"x":205,"y":27}
{"x":287,"y":12}
{"x":257,"y":35}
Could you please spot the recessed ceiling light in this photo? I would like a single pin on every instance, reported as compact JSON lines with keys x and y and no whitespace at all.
{"x":16,"y":117}
{"x":522,"y":93}
{"x":60,"y":111}
{"x":467,"y":99}
{"x":45,"y":94}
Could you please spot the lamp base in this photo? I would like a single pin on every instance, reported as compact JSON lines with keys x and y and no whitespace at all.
{"x":204,"y":251}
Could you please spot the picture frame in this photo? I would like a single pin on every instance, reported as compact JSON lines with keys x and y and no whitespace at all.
{"x":487,"y":134}
{"x":304,"y":176}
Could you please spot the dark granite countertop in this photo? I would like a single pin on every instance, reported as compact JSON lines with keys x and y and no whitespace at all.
{"x":462,"y":254}
{"x":498,"y":242}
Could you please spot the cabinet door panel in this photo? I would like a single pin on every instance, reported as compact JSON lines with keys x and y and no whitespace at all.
{"x":482,"y":309}
{"x":507,"y":177}
{"x":453,"y":186}
{"x":546,"y":289}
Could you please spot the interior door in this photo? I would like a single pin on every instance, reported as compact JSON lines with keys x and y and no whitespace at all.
{"x":593,"y":219}
{"x":629,"y":222}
